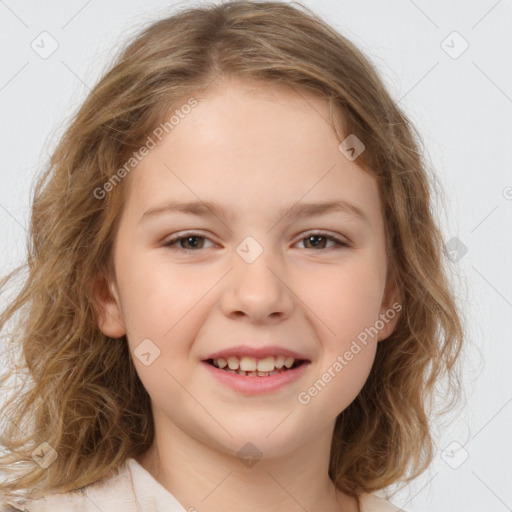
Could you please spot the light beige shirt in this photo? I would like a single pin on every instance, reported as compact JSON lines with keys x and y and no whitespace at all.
{"x":134,"y":489}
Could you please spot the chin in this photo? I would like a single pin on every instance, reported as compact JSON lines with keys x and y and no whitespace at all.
{"x":270,"y":438}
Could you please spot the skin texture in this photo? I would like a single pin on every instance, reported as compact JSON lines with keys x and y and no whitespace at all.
{"x":252,"y":148}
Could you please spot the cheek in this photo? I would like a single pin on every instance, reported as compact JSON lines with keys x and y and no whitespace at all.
{"x":345,"y":306}
{"x":156,"y":294}
{"x":339,"y":382}
{"x":346,"y":299}
{"x":166,"y":305}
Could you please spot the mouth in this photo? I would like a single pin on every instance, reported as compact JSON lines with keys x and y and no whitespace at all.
{"x":253,"y":367}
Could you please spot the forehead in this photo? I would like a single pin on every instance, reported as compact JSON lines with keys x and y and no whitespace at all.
{"x":252,"y":145}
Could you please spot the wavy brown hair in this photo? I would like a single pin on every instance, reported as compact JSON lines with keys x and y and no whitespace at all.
{"x":81,"y":393}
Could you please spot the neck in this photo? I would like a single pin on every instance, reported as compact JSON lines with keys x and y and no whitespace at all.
{"x":204,"y":478}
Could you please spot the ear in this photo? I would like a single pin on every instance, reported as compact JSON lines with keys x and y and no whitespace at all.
{"x":391,"y":306}
{"x":107,"y":307}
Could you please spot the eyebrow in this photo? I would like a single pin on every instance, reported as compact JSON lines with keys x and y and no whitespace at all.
{"x":296,"y":210}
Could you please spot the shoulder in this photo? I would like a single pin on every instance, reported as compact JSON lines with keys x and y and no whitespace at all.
{"x":9,"y":507}
{"x":114,"y":494}
{"x":373,"y":503}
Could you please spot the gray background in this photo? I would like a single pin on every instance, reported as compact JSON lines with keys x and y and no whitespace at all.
{"x":461,"y":103}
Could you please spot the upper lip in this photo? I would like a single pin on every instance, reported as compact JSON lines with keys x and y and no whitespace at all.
{"x":256,"y":352}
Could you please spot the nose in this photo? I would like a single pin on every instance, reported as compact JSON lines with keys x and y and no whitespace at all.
{"x":257,"y":291}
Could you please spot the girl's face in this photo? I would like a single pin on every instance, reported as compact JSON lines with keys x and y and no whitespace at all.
{"x":251,"y":276}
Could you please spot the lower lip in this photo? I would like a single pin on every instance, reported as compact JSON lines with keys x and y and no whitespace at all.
{"x":256,"y":385}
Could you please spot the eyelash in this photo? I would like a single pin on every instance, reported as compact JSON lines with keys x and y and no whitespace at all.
{"x":170,"y":244}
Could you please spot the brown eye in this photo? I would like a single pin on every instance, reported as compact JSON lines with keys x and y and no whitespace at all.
{"x":319,"y":241}
{"x":195,"y":241}
{"x":190,"y":242}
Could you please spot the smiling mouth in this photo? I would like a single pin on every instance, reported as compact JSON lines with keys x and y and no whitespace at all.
{"x":252,"y":367}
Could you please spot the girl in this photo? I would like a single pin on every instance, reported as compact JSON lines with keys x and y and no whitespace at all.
{"x":236,"y":296}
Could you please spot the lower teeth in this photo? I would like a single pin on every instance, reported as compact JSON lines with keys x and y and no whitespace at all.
{"x":254,"y":374}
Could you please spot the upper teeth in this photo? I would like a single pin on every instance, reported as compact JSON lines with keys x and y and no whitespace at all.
{"x":251,"y":364}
